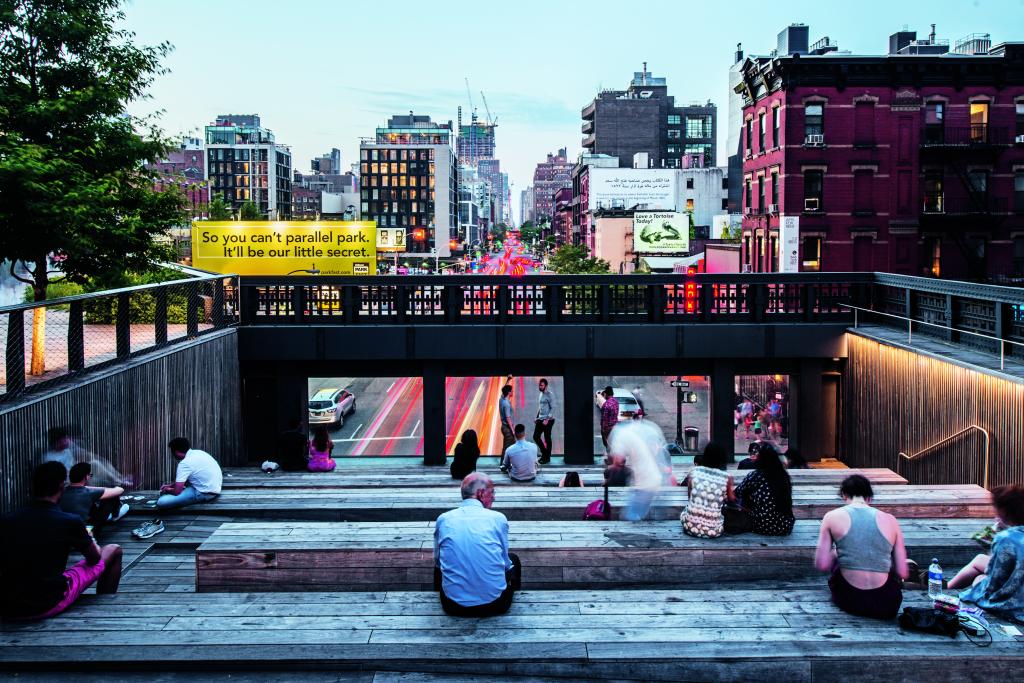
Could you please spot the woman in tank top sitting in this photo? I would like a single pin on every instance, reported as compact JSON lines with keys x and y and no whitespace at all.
{"x":869,"y":560}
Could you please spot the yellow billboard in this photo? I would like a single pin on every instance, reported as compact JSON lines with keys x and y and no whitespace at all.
{"x":285,"y":247}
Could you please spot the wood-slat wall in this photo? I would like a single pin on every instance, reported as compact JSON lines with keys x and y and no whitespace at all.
{"x":127,"y":416}
{"x":896,"y":400}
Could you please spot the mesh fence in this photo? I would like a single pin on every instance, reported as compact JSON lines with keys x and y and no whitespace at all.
{"x":69,"y":336}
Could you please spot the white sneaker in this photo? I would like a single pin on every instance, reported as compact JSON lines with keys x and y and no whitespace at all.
{"x":121,"y":513}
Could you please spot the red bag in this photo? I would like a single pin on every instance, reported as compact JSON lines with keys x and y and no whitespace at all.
{"x":599,"y":510}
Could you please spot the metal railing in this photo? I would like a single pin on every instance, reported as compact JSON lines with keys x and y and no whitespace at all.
{"x":964,"y":136}
{"x":550,"y":299}
{"x":949,"y":439}
{"x":54,"y":341}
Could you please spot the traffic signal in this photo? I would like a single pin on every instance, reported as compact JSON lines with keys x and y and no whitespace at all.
{"x":453,"y":244}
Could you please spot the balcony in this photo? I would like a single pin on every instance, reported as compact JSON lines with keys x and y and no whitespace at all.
{"x":938,"y":205}
{"x":588,"y":111}
{"x":589,"y":141}
{"x":974,"y":135}
{"x":588,"y":127}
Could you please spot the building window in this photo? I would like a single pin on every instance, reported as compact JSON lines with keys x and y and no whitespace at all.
{"x":864,"y":124}
{"x":862,"y":199}
{"x":814,"y":182}
{"x":698,"y":127}
{"x":689,"y":205}
{"x":674,"y":133}
{"x":775,"y":189}
{"x":749,"y":135}
{"x":978,"y":180}
{"x":725,"y":203}
{"x":812,"y":254}
{"x":760,"y":132}
{"x":814,"y":121}
{"x":674,"y":119}
{"x":703,"y":151}
{"x":748,"y":194}
{"x":1018,"y":192}
{"x":1018,"y":256}
{"x":760,"y":194}
{"x":689,"y":183}
{"x":934,"y":200}
{"x":979,"y":121}
{"x":673,"y":149}
{"x":776,"y":120}
{"x":1020,"y":122}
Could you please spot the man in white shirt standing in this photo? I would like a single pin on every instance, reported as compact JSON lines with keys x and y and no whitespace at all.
{"x":474,"y":573}
{"x":521,"y":458}
{"x":198,"y":479}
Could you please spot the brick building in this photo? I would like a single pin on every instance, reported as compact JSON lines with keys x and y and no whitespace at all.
{"x":561,"y":220}
{"x":907,"y":162}
{"x":549,"y":177}
{"x":185,"y":168}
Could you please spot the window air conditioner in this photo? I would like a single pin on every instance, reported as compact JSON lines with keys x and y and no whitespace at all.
{"x":1019,"y":140}
{"x":773,"y":208}
{"x":815,"y":140}
{"x":812,"y":204}
{"x":747,"y":268}
{"x":748,"y":210}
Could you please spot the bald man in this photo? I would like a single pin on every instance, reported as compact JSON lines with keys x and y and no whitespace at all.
{"x":474,"y":572}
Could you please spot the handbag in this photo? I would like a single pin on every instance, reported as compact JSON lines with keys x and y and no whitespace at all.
{"x":738,"y":519}
{"x":929,"y":620}
{"x":599,"y":510}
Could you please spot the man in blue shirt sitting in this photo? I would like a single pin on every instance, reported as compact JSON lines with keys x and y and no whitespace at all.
{"x":474,"y":572}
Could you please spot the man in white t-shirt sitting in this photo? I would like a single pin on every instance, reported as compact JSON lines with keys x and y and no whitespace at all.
{"x":198,"y":479}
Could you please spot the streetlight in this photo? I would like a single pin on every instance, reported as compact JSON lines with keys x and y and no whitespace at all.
{"x":307,"y":271}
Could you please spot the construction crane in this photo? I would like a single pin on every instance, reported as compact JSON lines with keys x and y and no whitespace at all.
{"x":490,"y":121}
{"x":472,"y":107}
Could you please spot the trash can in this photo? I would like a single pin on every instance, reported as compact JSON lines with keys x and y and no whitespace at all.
{"x":690,"y":436}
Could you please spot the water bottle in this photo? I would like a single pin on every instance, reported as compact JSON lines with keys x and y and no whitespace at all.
{"x":934,"y":579}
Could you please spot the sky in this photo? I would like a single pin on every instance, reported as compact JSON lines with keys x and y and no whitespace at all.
{"x":323,"y":73}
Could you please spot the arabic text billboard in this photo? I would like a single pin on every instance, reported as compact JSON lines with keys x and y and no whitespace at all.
{"x":627,"y":188}
{"x":661,"y":232}
{"x":282,"y":247}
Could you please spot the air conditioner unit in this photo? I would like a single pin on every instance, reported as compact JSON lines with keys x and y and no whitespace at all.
{"x":815,"y":140}
{"x":747,"y":268}
{"x":773,"y":208}
{"x":748,"y":210}
{"x":812,"y":204}
{"x":1019,"y":140}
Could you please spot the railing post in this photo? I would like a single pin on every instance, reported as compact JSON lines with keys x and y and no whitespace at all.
{"x":553,"y":302}
{"x":76,"y":337}
{"x":299,"y":303}
{"x":217,"y":317}
{"x":1000,"y":329}
{"x":707,"y":300}
{"x":249,"y":302}
{"x":160,"y":316}
{"x":950,"y":315}
{"x":15,"y":352}
{"x":503,"y":302}
{"x":351,"y":303}
{"x":908,"y":306}
{"x":809,"y":297}
{"x":453,"y":303}
{"x":192,"y":312}
{"x":605,"y":303}
{"x":756,"y":301}
{"x":401,"y":302}
{"x":122,"y":325}
{"x":656,"y":303}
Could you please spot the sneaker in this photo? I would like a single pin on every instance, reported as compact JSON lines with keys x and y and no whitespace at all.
{"x":121,"y":513}
{"x":149,"y":529}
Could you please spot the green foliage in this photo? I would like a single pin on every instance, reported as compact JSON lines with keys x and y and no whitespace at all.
{"x":75,"y":196}
{"x":498,"y":231}
{"x":732,"y":233}
{"x":250,"y":212}
{"x":219,"y":209}
{"x":570,"y":259}
{"x":528,"y":232}
{"x":142,"y":305}
{"x":56,"y":290}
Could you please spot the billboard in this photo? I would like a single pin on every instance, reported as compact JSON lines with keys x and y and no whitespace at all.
{"x":661,"y":232}
{"x":627,"y":188}
{"x":390,"y":239}
{"x":789,"y":244}
{"x":283,"y":247}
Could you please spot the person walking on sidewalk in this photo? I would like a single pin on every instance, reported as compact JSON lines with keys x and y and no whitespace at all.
{"x":506,"y":417}
{"x":545,"y":421}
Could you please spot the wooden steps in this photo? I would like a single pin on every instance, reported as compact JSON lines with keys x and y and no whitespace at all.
{"x":323,"y":556}
{"x":419,"y":476}
{"x":539,"y":503}
{"x":790,"y":635}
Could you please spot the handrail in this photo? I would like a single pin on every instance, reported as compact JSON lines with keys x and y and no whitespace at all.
{"x":912,"y":321}
{"x":948,"y":439}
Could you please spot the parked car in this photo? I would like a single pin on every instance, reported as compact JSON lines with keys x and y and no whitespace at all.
{"x":629,"y":407}
{"x":330,"y":406}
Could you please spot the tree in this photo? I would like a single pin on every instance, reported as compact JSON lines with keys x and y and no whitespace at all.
{"x":75,"y":197}
{"x":248,"y":211}
{"x":219,"y":209}
{"x":570,"y":259}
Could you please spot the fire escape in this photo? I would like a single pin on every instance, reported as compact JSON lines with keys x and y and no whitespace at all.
{"x":957,"y":164}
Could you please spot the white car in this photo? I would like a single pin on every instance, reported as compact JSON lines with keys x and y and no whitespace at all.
{"x":629,"y":407}
{"x":330,"y":406}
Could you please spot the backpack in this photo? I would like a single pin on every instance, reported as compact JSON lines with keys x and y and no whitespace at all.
{"x":599,"y":510}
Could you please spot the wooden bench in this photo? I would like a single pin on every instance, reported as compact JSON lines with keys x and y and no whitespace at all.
{"x":324,"y":556}
{"x":663,"y":635}
{"x":528,"y":502}
{"x":420,"y":476}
